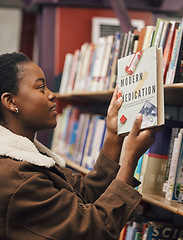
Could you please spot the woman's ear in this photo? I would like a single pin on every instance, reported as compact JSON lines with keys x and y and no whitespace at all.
{"x":7,"y":101}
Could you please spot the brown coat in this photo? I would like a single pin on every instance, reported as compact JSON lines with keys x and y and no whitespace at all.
{"x":51,"y":203}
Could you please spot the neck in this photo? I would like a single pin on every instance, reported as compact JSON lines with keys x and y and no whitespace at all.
{"x":24,"y":132}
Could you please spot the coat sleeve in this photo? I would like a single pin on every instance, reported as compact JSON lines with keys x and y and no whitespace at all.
{"x":97,"y":180}
{"x":39,"y":211}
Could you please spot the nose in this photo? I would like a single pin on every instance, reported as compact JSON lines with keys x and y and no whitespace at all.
{"x":51,"y":95}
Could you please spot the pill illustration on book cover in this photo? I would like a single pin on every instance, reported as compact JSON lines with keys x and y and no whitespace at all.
{"x":149,"y":114}
{"x":130,"y":68}
{"x":123,"y":119}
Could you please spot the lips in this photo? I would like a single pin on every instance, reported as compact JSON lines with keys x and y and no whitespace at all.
{"x":53,"y":108}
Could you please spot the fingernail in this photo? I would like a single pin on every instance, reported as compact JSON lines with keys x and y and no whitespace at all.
{"x":120,"y":99}
{"x":119,"y":94}
{"x":139,"y":116}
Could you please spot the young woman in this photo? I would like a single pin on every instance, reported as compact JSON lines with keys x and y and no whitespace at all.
{"x":39,"y":198}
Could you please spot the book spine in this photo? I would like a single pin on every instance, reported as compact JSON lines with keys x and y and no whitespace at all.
{"x":170,"y":193}
{"x":174,"y":135}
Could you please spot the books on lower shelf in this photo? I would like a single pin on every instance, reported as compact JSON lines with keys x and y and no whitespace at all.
{"x":153,"y":164}
{"x":175,"y":179}
{"x":79,"y":136}
{"x":151,"y":229}
{"x":141,"y":85}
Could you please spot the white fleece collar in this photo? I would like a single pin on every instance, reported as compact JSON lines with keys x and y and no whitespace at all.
{"x":22,"y":149}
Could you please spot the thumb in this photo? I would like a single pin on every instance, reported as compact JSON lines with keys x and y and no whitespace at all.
{"x":136,"y":125}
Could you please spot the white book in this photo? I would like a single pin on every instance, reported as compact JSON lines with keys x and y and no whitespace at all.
{"x":148,"y":37}
{"x":66,"y":73}
{"x":100,"y":50}
{"x":105,"y":64}
{"x":77,"y":84}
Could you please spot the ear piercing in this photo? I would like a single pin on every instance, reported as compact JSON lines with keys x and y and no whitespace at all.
{"x":16,"y":109}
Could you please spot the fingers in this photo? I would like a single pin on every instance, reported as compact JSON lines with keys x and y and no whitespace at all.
{"x":114,"y":96}
{"x":116,"y":102}
{"x":136,"y":125}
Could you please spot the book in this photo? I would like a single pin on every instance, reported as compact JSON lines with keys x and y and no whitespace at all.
{"x":174,"y":134}
{"x":96,"y":142}
{"x":127,"y":47}
{"x":80,"y":64}
{"x":138,"y":168}
{"x":99,"y":57}
{"x":158,"y":32}
{"x":164,"y":35}
{"x":122,"y":53}
{"x":112,"y":80}
{"x":78,"y":155}
{"x":179,"y":177}
{"x":178,"y":76}
{"x":171,"y":68}
{"x":81,"y":129}
{"x":56,"y":134}
{"x":88,"y":140}
{"x":154,"y":163}
{"x":141,"y":39}
{"x":171,"y":187}
{"x":180,"y":197}
{"x":142,"y":89}
{"x":162,"y":231}
{"x":105,"y":64}
{"x":66,"y":72}
{"x":148,"y":37}
{"x":168,"y":48}
{"x":71,"y":81}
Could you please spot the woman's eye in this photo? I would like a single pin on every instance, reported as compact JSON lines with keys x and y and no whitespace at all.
{"x":42,"y":87}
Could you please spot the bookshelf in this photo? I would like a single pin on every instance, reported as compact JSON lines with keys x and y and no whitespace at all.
{"x":172,"y":94}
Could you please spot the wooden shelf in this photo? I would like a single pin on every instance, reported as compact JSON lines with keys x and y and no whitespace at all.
{"x":172,"y":93}
{"x":74,"y":165}
{"x":161,"y":202}
{"x":103,"y":96}
{"x":156,"y":200}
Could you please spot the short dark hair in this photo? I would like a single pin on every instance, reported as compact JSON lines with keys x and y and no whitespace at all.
{"x":10,"y":64}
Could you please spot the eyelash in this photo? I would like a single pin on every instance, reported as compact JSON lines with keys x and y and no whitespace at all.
{"x":42,"y":87}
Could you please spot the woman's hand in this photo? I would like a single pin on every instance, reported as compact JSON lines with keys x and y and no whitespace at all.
{"x":113,"y":142}
{"x":112,"y":113}
{"x":135,"y":145}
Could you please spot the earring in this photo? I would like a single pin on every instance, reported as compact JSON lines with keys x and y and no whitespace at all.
{"x":16,"y":109}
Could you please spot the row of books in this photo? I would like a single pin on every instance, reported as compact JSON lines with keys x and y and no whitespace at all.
{"x":151,"y":230}
{"x":93,"y":67}
{"x":152,"y":165}
{"x":79,"y":135}
{"x":173,"y":186}
{"x":160,"y":168}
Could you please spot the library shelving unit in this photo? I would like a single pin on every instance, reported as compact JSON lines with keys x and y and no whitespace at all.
{"x":172,"y":95}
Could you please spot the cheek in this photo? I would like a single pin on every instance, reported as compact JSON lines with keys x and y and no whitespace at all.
{"x":34,"y":107}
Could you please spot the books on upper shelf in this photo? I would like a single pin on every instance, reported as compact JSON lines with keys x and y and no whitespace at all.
{"x":169,"y":48}
{"x":141,"y":84}
{"x":66,"y":73}
{"x":94,"y":66}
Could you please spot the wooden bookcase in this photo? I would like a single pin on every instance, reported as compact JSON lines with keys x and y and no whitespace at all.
{"x":173,"y":96}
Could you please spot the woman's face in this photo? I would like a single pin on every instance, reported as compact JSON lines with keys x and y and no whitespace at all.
{"x":35,"y":102}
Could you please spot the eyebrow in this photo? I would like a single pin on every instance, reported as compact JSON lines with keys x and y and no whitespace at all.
{"x":40,"y":79}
